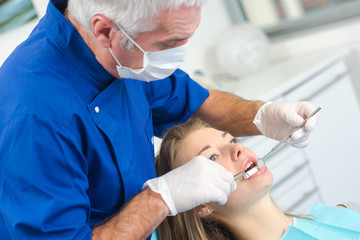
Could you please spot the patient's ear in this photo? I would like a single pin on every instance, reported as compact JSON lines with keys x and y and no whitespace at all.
{"x":204,"y":210}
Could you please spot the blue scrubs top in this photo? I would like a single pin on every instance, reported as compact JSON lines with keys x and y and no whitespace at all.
{"x":329,"y":223}
{"x":75,"y":143}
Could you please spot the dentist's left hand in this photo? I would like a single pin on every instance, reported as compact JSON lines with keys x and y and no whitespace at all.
{"x":276,"y":119}
{"x":197,"y":182}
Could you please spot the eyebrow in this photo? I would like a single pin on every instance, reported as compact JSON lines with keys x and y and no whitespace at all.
{"x":225,"y":133}
{"x":208,"y":146}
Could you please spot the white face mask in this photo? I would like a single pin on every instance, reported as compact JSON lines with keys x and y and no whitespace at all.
{"x":156,"y":65}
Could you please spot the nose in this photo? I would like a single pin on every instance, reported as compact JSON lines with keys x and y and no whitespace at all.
{"x":236,"y":150}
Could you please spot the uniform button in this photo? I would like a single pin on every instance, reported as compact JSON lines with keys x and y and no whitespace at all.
{"x":97,"y":109}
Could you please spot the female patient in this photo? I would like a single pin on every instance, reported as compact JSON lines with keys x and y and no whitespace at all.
{"x":250,"y":212}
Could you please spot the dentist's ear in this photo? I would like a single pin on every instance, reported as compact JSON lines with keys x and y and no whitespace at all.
{"x":102,"y":29}
{"x":204,"y":210}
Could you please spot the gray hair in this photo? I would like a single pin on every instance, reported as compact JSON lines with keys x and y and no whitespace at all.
{"x":134,"y":16}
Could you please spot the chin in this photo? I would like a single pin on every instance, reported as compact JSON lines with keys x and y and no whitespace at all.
{"x":265,"y":180}
{"x":263,"y":175}
{"x":253,"y":187}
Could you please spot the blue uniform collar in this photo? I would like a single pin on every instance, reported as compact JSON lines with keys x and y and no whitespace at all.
{"x":74,"y":47}
{"x":60,"y":5}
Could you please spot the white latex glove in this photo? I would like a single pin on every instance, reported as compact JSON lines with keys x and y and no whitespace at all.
{"x":197,"y":182}
{"x":276,"y":120}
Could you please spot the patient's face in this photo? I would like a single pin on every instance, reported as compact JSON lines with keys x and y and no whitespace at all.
{"x":223,"y":148}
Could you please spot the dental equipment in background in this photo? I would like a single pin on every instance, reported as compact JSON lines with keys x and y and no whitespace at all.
{"x":260,"y":162}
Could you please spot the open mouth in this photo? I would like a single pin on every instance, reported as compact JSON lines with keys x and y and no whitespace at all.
{"x":250,"y":169}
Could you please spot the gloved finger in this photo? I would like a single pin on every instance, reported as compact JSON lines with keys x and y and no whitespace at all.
{"x":228,"y":184}
{"x":216,"y":173}
{"x":228,"y":178}
{"x":218,"y":196}
{"x":311,"y":123}
{"x":299,"y":136}
{"x":305,"y":109}
{"x":302,"y":144}
{"x":283,"y":132}
{"x":233,"y":185}
{"x":224,"y":174}
{"x":225,"y":186}
{"x":292,"y":118}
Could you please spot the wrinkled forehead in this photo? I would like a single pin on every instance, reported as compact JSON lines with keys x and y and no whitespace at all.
{"x":182,"y":20}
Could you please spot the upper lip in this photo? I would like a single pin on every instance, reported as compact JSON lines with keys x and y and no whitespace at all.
{"x":246,"y":162}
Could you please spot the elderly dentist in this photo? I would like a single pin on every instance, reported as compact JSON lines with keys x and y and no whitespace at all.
{"x":79,"y":109}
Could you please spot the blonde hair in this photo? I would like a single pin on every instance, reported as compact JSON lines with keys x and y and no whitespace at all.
{"x":187,"y":225}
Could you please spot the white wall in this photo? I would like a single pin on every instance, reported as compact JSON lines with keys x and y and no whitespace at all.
{"x":215,"y":19}
{"x":40,"y":6}
{"x":10,"y":39}
{"x":330,"y":37}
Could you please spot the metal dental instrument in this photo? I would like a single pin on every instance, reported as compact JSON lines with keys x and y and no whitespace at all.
{"x":278,"y":145}
{"x":260,"y":162}
{"x":240,"y":175}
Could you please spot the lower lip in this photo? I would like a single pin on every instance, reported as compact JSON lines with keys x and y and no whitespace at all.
{"x":261,"y":171}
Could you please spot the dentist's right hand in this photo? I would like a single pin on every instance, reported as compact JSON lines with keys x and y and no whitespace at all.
{"x":197,"y":182}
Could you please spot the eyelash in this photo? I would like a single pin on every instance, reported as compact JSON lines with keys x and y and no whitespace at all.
{"x":213,"y":156}
{"x":233,"y":141}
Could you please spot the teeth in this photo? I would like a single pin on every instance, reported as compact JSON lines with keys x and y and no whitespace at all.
{"x":252,"y":168}
{"x":249,"y":166}
{"x":252,"y":171}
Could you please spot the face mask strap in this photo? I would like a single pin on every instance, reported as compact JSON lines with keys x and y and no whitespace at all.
{"x":131,"y":40}
{"x":111,"y":52}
